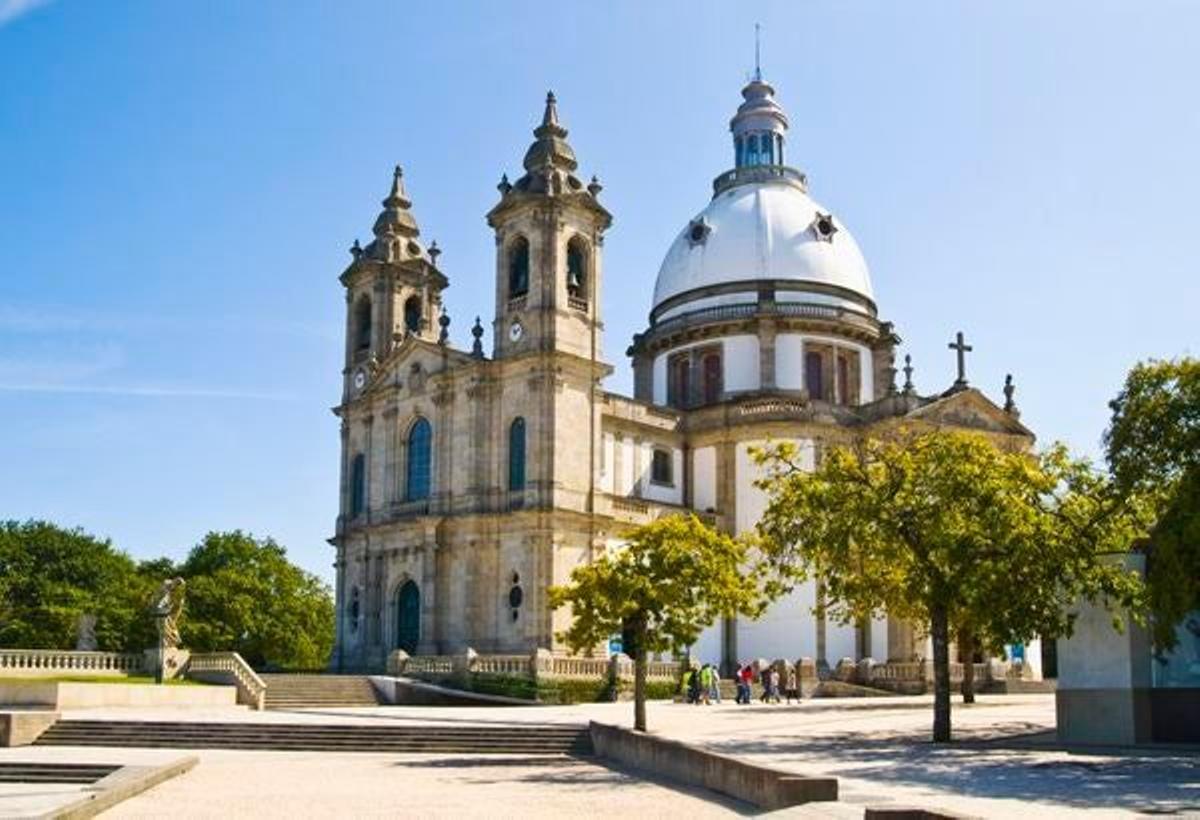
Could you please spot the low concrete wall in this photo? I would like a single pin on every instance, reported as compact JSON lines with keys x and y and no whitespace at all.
{"x":761,"y":786}
{"x":20,"y":728}
{"x":418,"y":693}
{"x":59,"y":695}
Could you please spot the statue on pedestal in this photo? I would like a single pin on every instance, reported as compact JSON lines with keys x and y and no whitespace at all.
{"x":167,"y":607}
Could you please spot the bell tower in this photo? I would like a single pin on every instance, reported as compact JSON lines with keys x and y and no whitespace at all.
{"x":549,"y":233}
{"x":393,"y":289}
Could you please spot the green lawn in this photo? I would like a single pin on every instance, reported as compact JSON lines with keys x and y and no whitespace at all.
{"x":136,"y":679}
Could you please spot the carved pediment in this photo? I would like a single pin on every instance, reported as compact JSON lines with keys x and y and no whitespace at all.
{"x":971,"y":410}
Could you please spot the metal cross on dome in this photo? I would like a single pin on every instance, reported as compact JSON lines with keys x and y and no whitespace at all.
{"x":962,"y":348}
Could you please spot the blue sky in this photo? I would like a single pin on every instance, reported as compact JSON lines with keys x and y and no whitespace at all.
{"x":179,"y":184}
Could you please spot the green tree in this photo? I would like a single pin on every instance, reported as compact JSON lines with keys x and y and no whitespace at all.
{"x":244,"y":595}
{"x":49,"y":576}
{"x":952,"y":533}
{"x":1153,"y":451}
{"x":672,"y":578}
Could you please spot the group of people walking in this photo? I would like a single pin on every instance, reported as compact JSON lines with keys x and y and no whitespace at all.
{"x":704,"y":684}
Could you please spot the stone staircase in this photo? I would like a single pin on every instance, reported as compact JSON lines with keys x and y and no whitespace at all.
{"x":316,"y":690}
{"x":427,"y":739}
{"x":40,"y":772}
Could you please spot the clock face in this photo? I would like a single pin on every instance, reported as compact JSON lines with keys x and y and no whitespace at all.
{"x":360,"y":380}
{"x":515,"y":331}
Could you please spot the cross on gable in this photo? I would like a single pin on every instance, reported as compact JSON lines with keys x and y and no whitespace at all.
{"x":962,"y":349}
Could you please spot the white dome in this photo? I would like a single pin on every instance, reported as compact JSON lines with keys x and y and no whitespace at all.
{"x":761,"y":231}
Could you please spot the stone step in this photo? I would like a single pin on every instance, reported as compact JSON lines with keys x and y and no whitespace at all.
{"x":290,"y":691}
{"x":19,"y":772}
{"x":479,"y":739}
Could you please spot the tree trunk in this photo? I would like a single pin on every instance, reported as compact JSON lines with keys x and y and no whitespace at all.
{"x":966,"y":654}
{"x":639,"y":690}
{"x":940,"y":632}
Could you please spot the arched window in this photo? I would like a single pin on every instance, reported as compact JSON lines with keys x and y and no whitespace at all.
{"x":576,"y":268}
{"x":362,"y":324}
{"x":768,"y":149}
{"x":814,"y":379}
{"x":752,"y":149}
{"x":711,"y":375}
{"x":739,"y":153}
{"x":358,"y":485}
{"x":416,"y":484}
{"x":843,"y":380}
{"x":518,"y":268}
{"x":412,"y":314}
{"x":516,"y":454}
{"x":679,"y":381}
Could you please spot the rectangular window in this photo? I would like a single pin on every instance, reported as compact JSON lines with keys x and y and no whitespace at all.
{"x":661,"y":467}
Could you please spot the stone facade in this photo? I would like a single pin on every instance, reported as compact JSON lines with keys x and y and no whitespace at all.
{"x":469,"y":484}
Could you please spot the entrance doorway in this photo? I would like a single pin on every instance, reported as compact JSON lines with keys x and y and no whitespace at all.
{"x":408,"y":617}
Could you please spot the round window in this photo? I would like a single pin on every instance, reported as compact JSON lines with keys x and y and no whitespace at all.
{"x":825,"y":226}
{"x":515,"y":597}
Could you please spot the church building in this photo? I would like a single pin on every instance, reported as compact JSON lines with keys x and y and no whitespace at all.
{"x":470,"y":483}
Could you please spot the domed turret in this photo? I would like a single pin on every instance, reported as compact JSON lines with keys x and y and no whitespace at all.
{"x":761,"y":227}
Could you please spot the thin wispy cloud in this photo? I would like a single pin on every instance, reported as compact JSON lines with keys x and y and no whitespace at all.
{"x":12,"y":9}
{"x":147,"y":391}
{"x":36,"y":320}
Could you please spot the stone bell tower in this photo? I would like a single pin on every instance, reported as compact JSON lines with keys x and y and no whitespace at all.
{"x":393,"y":289}
{"x":549,"y":232}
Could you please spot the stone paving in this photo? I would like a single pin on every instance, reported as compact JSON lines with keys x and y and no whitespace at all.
{"x":878,"y":748}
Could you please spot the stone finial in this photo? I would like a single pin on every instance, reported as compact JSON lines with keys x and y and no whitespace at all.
{"x":505,"y":186}
{"x":444,"y":324}
{"x":550,"y":117}
{"x":477,"y":345}
{"x":908,"y":371}
{"x":356,"y":250}
{"x":1010,"y":406}
{"x":891,"y":377}
{"x":434,"y":252}
{"x":594,"y":187}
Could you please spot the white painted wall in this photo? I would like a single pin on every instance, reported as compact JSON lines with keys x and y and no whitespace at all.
{"x":879,"y":639}
{"x":839,"y":642}
{"x":789,"y":361}
{"x":788,"y":629}
{"x":704,"y":478}
{"x":659,"y":374}
{"x":740,"y":360}
{"x":751,"y":501}
{"x":626,"y":477}
{"x":607,"y":479}
{"x":707,"y":648}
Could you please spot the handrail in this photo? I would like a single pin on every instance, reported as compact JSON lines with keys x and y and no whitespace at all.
{"x":229,"y":667}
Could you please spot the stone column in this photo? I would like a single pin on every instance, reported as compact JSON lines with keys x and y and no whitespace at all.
{"x":766,"y":354}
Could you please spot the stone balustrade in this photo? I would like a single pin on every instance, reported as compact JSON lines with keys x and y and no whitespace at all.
{"x":49,"y":662}
{"x":540,"y":664}
{"x":231,"y":669}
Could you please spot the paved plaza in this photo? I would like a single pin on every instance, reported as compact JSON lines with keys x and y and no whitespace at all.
{"x":1001,"y":766}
